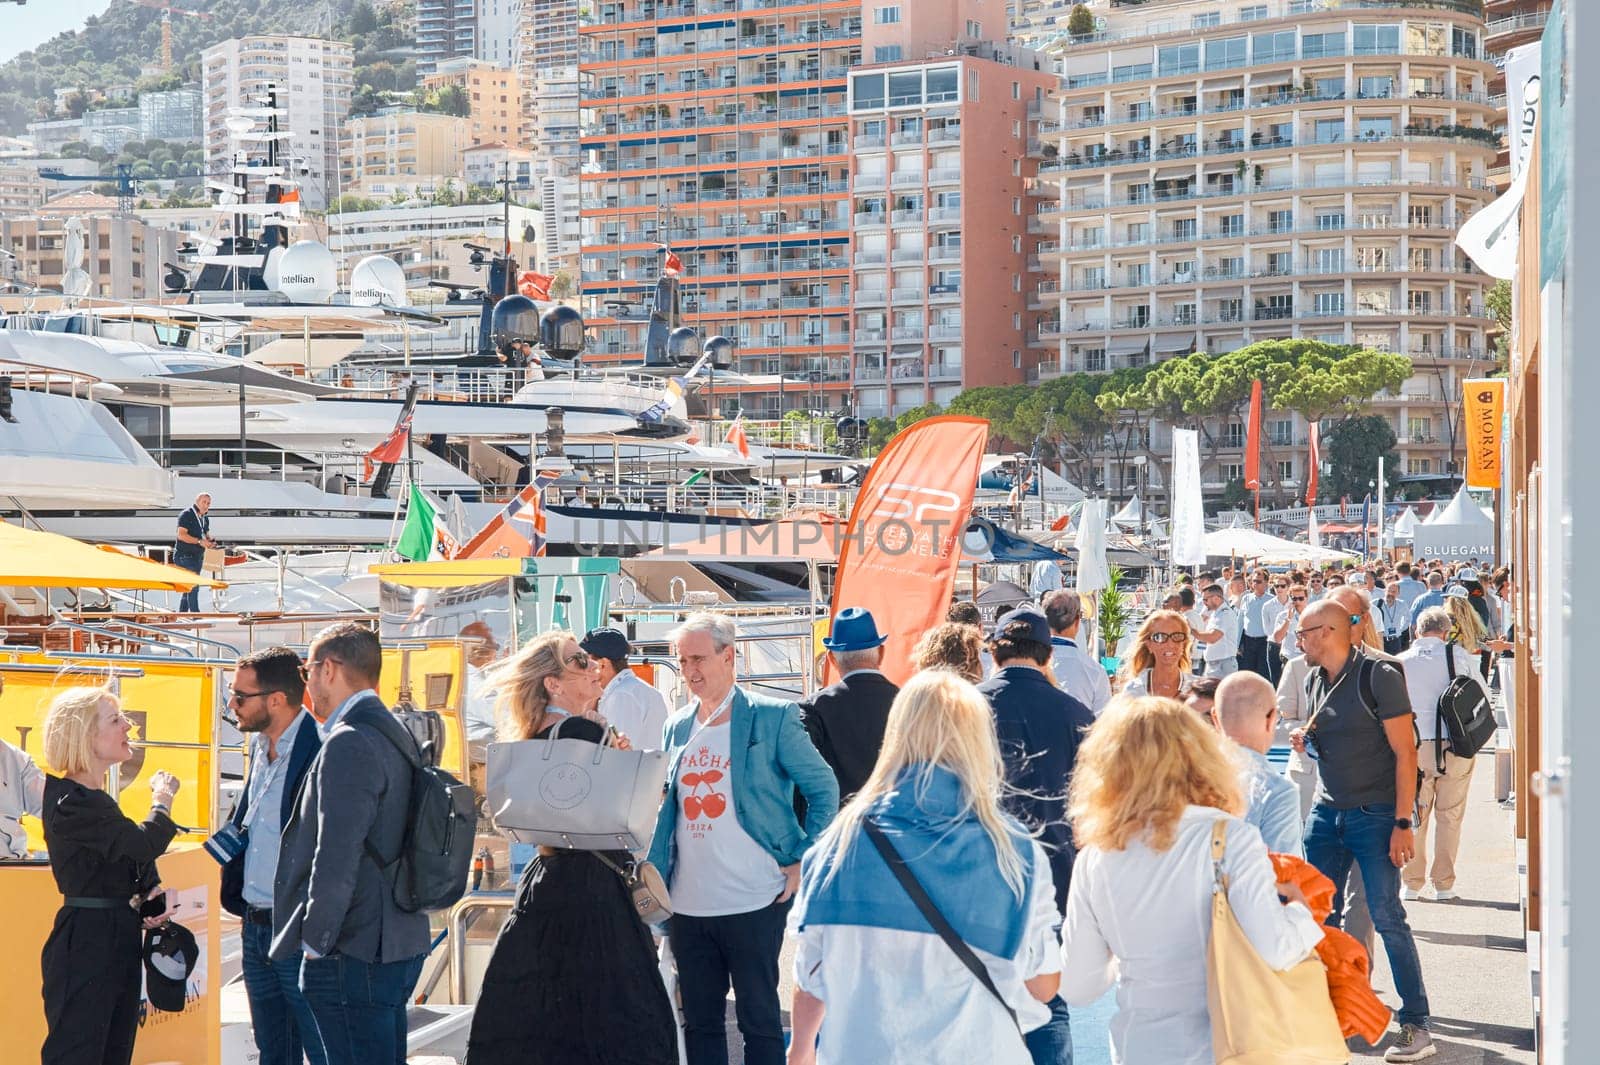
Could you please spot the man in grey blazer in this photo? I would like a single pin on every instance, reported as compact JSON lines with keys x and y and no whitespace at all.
{"x":331,"y":899}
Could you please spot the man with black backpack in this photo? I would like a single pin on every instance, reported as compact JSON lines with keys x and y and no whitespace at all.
{"x":343,"y":865}
{"x":1445,"y":689}
{"x":1361,"y":731}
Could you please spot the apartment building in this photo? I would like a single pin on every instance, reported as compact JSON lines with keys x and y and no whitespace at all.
{"x":494,"y":94}
{"x":123,"y":255}
{"x":1238,"y":171}
{"x":410,"y":150}
{"x":554,"y":112}
{"x":720,"y":127}
{"x":498,"y":27}
{"x":1509,"y":24}
{"x":314,"y":79}
{"x":429,"y":242}
{"x":944,"y":131}
{"x":547,"y":61}
{"x":563,"y":227}
{"x":446,"y":29}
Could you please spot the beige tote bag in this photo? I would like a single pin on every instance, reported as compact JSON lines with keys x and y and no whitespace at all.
{"x":1260,"y":1016}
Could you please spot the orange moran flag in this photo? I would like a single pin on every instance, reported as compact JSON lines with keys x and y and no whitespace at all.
{"x":902,"y":546}
{"x":1252,"y":442}
{"x":1484,"y":404}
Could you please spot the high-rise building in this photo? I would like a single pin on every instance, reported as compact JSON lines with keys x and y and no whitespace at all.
{"x":314,"y":80}
{"x":446,"y":29}
{"x":498,"y":24}
{"x":1510,"y":24}
{"x":1239,"y":171}
{"x":381,"y":152}
{"x":945,"y":139}
{"x":547,"y":59}
{"x":563,"y":229}
{"x":721,"y":129}
{"x":494,"y":94}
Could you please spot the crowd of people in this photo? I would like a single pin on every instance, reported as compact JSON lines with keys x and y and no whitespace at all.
{"x":958,"y":860}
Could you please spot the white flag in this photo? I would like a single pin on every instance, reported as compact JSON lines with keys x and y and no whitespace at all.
{"x":1188,"y":509}
{"x":1313,"y":534}
{"x":1492,"y":236}
{"x":1093,"y":574}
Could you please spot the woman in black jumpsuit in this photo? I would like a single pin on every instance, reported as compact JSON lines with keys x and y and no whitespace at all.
{"x":104,"y":865}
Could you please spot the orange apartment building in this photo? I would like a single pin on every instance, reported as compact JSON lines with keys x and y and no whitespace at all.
{"x":946,"y":149}
{"x":720,"y":127}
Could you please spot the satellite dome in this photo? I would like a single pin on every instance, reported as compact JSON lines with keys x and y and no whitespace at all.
{"x":683,"y":346}
{"x":561,"y":332}
{"x":720,"y":349}
{"x":515,"y":318}
{"x":306,"y":272}
{"x":376,"y":280}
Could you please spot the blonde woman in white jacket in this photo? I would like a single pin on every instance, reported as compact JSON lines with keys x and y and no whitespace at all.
{"x":1151,"y":780}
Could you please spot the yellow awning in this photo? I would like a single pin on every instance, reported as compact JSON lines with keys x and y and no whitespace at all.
{"x":454,"y":573}
{"x":49,"y":560}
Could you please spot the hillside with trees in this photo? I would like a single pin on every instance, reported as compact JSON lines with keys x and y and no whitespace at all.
{"x":114,"y":46}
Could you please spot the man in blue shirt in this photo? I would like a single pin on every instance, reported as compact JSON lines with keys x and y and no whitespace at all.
{"x":189,"y":547}
{"x":1253,"y":643}
{"x":1410,"y":588}
{"x":1246,"y":711}
{"x":268,"y":690}
{"x":1434,"y":596}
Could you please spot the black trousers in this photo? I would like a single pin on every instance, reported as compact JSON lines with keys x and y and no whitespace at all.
{"x":1253,"y":655}
{"x":741,"y":949}
{"x":1274,"y":662}
{"x":92,"y":970}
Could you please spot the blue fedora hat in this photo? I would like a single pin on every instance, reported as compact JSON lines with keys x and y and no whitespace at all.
{"x":854,"y":630}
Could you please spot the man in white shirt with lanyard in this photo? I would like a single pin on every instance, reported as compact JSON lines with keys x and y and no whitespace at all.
{"x":1220,"y":637}
{"x":21,"y":792}
{"x":1394,"y":619}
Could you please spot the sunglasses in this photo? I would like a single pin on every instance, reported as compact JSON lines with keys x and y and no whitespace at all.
{"x":1297,"y":599}
{"x":581,"y":660}
{"x":1167,"y":637}
{"x":237,"y":696}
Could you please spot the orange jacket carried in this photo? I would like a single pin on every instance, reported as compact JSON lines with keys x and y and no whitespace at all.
{"x":1349,"y":969}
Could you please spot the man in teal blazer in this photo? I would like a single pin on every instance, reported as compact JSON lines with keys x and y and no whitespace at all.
{"x":729,"y":845}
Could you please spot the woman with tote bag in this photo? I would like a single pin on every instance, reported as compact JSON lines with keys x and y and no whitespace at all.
{"x":573,"y":979}
{"x":1152,"y":781}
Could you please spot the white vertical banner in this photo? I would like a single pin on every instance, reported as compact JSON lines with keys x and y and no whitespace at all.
{"x":1313,"y":531}
{"x":1188,"y":507}
{"x":1093,"y":573}
{"x":1490,"y":237}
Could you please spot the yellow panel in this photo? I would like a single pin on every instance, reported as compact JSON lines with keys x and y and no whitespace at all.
{"x":173,"y":703}
{"x":29,"y":899}
{"x":434,"y":671}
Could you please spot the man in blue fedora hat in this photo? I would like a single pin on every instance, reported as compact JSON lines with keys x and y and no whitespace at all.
{"x":846,"y":720}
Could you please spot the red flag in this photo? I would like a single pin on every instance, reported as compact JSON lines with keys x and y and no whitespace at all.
{"x":1313,"y":464}
{"x":534,"y":285}
{"x":289,"y":196}
{"x":518,"y":531}
{"x":392,"y":450}
{"x":902,"y":546}
{"x":736,"y":438}
{"x":673,"y":265}
{"x":1252,"y":441}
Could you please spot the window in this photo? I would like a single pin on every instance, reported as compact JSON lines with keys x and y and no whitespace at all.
{"x":1280,"y":221}
{"x":905,"y":88}
{"x":943,"y":84}
{"x":1016,"y":90}
{"x":1232,"y":225}
{"x":1318,"y":45}
{"x":1330,"y":88}
{"x":1230,"y":310}
{"x":1178,"y":59}
{"x":1375,"y":88}
{"x":1421,"y":261}
{"x":1329,"y":130}
{"x":1138,"y":232}
{"x":1376,"y":40}
{"x":1328,"y":304}
{"x":1094,"y":360}
{"x":1016,"y":358}
{"x":1376,"y":129}
{"x":1232,"y":471}
{"x":1372,"y":259}
{"x":1420,"y":302}
{"x":1280,"y":431}
{"x":1328,"y":261}
{"x":1016,"y":205}
{"x":1226,"y":53}
{"x":1138,"y":275}
{"x":1327,"y":220}
{"x":1272,"y":47}
{"x":886,"y":16}
{"x":886,"y":53}
{"x":1253,"y":13}
{"x":1205,"y":21}
{"x":1286,"y":469}
{"x":975,"y":30}
{"x":1419,"y":466}
{"x":1183,"y":229}
{"x":1139,"y":193}
{"x":1233,"y":434}
{"x":1463,"y":42}
{"x":866,"y":90}
{"x":1421,"y":214}
{"x":1419,"y":428}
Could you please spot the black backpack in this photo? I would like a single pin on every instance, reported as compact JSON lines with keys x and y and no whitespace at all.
{"x":1466,"y":718}
{"x":430,"y":872}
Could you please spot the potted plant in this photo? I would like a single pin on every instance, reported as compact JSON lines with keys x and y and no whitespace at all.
{"x":1113,"y":615}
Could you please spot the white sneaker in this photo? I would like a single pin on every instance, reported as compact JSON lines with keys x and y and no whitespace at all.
{"x":1409,"y":894}
{"x":1413,"y":1044}
{"x":1442,"y":895}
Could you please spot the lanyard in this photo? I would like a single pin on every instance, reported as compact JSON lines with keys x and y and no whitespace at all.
{"x":259,"y":792}
{"x":1327,"y":696}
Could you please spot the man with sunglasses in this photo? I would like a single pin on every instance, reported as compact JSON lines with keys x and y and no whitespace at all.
{"x":1272,"y":614}
{"x":1362,"y":734}
{"x":1253,"y":640}
{"x":1220,"y":635}
{"x":268,"y":690}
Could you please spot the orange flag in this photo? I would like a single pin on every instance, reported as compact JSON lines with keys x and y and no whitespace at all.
{"x":902,"y":546}
{"x":534,"y":285}
{"x":1252,"y":441}
{"x":518,"y":531}
{"x":1313,"y":463}
{"x":1484,"y":403}
{"x":736,"y":437}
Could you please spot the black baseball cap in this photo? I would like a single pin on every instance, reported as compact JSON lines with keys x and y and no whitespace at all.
{"x":170,"y":955}
{"x":1039,"y":627}
{"x":606,"y":643}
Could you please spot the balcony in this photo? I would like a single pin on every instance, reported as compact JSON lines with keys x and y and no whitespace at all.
{"x":870,"y":219}
{"x":944,"y":135}
{"x":944,"y":175}
{"x":906,"y":295}
{"x":870,"y":336}
{"x":905,"y":138}
{"x":870,"y":297}
{"x":909,"y":255}
{"x":944,"y":215}
{"x":945,"y":253}
{"x":908,"y":179}
{"x":908,"y":216}
{"x":943,"y":293}
{"x":945,"y":331}
{"x":868,"y":141}
{"x":868,"y":182}
{"x":939,"y":371}
{"x":869,"y":374}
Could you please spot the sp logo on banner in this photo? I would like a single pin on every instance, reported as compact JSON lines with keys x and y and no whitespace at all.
{"x":1484,"y":407}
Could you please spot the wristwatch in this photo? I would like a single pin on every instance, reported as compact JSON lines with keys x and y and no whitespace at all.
{"x":1403,"y":822}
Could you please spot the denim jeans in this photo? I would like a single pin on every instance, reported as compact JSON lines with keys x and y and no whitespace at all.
{"x":1336,"y":839}
{"x":360,"y":1007}
{"x":285,"y":1030}
{"x":1052,"y":1043}
{"x":741,"y":948}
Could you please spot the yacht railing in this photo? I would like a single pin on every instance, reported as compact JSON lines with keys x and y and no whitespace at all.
{"x":470,"y":383}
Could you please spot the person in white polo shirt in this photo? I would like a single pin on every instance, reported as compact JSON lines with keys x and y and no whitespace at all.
{"x":1220,"y":635}
{"x":631,"y":706}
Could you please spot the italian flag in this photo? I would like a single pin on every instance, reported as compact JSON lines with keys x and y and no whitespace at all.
{"x":419,"y":535}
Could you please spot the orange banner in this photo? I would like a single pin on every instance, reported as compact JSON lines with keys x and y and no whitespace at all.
{"x":1252,"y":443}
{"x":903,"y":544}
{"x":1484,"y":407}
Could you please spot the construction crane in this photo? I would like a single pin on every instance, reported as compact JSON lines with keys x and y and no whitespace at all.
{"x":167,"y":11}
{"x":127,"y":184}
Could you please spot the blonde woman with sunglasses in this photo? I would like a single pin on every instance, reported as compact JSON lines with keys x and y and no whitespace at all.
{"x":1159,"y":664}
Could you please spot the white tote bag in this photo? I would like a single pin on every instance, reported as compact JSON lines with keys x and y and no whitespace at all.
{"x":575,"y":794}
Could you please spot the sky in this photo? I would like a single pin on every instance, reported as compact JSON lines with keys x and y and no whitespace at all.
{"x":35,"y":22}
